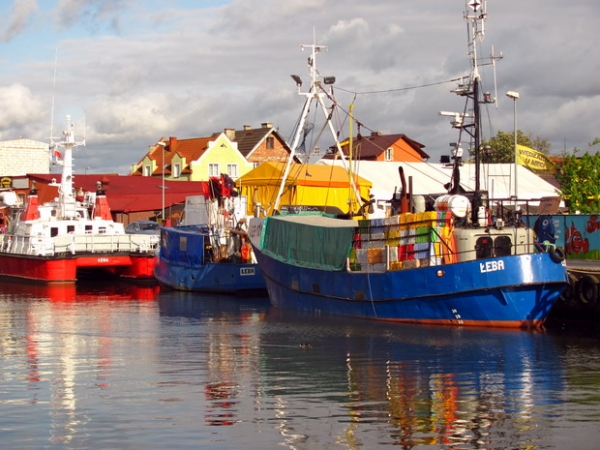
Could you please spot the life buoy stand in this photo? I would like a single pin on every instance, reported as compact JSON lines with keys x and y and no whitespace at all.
{"x":588,"y":288}
{"x":557,"y":254}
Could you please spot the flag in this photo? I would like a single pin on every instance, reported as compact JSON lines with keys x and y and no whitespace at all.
{"x":532,"y":159}
{"x":57,"y":154}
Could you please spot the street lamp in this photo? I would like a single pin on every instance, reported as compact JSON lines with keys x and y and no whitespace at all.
{"x":515,"y":96}
{"x":163,"y":145}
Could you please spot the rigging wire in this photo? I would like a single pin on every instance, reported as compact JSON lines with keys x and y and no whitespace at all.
{"x":386,"y":91}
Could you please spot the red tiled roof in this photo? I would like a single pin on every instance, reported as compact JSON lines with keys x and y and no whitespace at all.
{"x":124,"y":193}
{"x":370,"y":147}
{"x":190,"y":149}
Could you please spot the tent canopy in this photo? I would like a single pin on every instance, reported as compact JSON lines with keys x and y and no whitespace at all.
{"x":430,"y":179}
{"x":308,"y":185}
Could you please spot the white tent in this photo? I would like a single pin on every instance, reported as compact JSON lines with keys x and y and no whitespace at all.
{"x":430,"y":178}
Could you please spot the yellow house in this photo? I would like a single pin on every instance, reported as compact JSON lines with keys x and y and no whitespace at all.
{"x":231,"y":152}
{"x":194,"y":159}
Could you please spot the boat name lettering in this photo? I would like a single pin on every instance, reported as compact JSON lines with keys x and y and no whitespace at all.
{"x":491,"y":266}
{"x":247,"y":271}
{"x":103,"y":260}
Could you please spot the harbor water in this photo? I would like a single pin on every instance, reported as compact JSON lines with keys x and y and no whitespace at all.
{"x":117,"y":366}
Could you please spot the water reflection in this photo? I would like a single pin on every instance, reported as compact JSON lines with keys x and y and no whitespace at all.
{"x":231,"y":348}
{"x":423,"y":385}
{"x":60,"y":345}
{"x":129,"y":366}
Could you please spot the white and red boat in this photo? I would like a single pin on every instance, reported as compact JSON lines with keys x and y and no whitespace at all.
{"x":66,"y":239}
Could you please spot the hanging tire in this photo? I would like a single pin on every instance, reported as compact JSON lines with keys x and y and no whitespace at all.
{"x":569,"y":295}
{"x":588,"y":288}
{"x":557,"y":254}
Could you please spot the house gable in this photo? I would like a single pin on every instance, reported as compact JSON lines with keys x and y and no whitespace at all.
{"x":221,"y":156}
{"x":380,"y":147}
{"x":262,"y":144}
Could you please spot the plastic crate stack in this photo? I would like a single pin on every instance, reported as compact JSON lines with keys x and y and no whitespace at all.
{"x":399,"y":242}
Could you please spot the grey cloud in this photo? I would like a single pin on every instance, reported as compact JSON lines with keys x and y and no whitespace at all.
{"x":22,"y":12}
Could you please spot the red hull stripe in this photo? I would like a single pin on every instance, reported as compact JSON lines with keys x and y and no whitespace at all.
{"x":514,"y":324}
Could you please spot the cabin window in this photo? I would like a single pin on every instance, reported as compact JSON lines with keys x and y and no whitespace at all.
{"x":232,"y":170}
{"x":484,"y":247}
{"x":147,"y":171}
{"x":102,"y":230}
{"x":70,"y":228}
{"x":176,"y":170}
{"x":213,"y":170}
{"x":389,"y":154}
{"x":53,"y":231}
{"x":270,"y":143}
{"x":88,"y":229}
{"x":502,"y":246}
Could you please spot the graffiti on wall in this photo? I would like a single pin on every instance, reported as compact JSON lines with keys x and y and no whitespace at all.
{"x":579,"y":235}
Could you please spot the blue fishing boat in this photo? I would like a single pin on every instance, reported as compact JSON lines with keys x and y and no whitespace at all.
{"x":209,"y":251}
{"x":454,"y":265}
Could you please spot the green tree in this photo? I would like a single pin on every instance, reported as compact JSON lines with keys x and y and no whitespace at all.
{"x":502,"y":146}
{"x":578,"y":179}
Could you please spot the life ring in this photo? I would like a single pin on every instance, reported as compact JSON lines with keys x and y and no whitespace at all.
{"x":557,"y":254}
{"x":588,"y":288}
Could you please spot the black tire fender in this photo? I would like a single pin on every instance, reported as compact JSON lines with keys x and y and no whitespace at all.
{"x":588,"y":288}
{"x":557,"y":254}
{"x":570,"y":292}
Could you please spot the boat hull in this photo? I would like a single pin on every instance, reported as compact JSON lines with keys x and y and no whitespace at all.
{"x":39,"y":268}
{"x":67,"y":269}
{"x":216,"y":277}
{"x":511,"y":292}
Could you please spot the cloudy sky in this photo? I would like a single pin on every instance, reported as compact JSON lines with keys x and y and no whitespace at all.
{"x":134,"y":71}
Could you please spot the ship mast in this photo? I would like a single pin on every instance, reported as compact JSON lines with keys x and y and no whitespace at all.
{"x":315,"y":94}
{"x":470,"y":122}
{"x":66,"y":194}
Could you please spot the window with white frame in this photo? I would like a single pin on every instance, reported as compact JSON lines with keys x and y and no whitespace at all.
{"x":232,"y":170}
{"x":389,"y":154}
{"x":213,"y":170}
{"x":176,"y":170}
{"x":147,"y":171}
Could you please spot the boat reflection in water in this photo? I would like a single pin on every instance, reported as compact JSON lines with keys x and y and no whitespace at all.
{"x":229,"y":350}
{"x":60,"y":351}
{"x":366,"y":384}
{"x":82,"y":291}
{"x":422,"y":385}
{"x":102,"y":367}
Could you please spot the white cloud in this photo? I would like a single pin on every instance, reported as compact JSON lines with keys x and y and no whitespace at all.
{"x":142,"y":70}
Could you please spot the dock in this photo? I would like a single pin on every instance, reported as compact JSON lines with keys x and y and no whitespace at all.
{"x":580,"y":302}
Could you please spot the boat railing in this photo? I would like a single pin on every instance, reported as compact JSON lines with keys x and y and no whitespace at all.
{"x":430,"y":238}
{"x":74,"y":243}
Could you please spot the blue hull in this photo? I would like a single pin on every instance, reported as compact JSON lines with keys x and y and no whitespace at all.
{"x":187,"y":261}
{"x":513,"y":291}
{"x":215,"y":277}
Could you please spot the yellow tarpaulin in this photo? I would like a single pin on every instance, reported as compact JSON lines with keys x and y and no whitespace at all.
{"x":532,"y":159}
{"x":308,"y":185}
